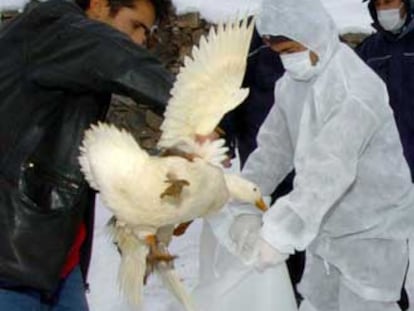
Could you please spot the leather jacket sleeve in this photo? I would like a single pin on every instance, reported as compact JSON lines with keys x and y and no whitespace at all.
{"x":90,"y":56}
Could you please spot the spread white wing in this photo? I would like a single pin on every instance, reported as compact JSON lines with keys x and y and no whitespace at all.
{"x":208,"y":86}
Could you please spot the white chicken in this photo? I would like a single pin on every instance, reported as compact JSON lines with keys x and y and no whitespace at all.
{"x":147,"y":193}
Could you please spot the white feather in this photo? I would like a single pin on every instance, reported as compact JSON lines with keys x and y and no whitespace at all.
{"x":208,"y":87}
{"x":133,"y":263}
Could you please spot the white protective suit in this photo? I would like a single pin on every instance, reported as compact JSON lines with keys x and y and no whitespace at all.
{"x":352,"y":205}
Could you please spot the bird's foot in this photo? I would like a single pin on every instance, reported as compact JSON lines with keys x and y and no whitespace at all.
{"x":156,"y":255}
{"x":156,"y":258}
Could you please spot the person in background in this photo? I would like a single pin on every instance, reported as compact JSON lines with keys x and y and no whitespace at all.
{"x":389,"y":52}
{"x":60,"y":62}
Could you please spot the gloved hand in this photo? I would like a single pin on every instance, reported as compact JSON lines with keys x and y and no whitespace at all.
{"x":267,"y":256}
{"x":244,"y":233}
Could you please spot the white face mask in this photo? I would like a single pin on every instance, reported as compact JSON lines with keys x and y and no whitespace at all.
{"x":298,"y":65}
{"x":391,"y":20}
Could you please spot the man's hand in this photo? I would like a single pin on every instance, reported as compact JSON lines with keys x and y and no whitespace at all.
{"x":226,"y":163}
{"x":201,"y":139}
{"x":267,"y":256}
{"x":244,"y":233}
{"x":250,"y":247}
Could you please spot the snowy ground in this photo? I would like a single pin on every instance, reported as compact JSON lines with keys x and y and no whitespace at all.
{"x":12,"y":4}
{"x":350,"y":15}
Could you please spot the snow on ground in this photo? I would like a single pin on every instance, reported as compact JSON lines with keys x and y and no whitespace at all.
{"x":217,"y":10}
{"x":12,"y":4}
{"x":350,"y":15}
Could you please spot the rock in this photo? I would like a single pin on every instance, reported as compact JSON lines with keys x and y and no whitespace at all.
{"x":128,"y":115}
{"x":7,"y":15}
{"x":184,"y":51}
{"x":197,"y":34}
{"x":189,"y":20}
{"x":353,"y":39}
{"x":153,"y":120}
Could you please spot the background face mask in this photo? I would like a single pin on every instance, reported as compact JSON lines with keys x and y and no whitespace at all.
{"x":391,"y":20}
{"x":298,"y":65}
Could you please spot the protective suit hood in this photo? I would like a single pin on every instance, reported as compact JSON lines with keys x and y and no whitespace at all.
{"x":307,"y":23}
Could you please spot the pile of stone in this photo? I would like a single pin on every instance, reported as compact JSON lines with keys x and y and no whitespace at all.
{"x":7,"y":15}
{"x":353,"y":39}
{"x":176,"y":37}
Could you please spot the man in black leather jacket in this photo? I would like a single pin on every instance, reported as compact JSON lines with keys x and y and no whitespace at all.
{"x":59,"y":63}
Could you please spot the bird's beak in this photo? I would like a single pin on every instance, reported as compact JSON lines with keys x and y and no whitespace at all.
{"x":261,"y":205}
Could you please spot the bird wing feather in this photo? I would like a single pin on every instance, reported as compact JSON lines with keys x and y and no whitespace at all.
{"x":208,"y":86}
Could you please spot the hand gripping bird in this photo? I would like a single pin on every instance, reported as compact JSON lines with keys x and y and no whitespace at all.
{"x":151,"y":194}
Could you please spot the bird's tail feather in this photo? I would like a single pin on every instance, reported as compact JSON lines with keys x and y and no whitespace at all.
{"x":132,"y":269}
{"x":172,"y":281}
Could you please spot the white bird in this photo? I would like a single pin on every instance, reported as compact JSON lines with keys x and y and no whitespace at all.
{"x":148,"y":193}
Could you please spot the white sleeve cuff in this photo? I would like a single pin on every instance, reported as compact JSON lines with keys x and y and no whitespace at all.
{"x":276,"y":239}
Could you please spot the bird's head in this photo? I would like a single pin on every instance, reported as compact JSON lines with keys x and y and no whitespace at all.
{"x":245,"y":191}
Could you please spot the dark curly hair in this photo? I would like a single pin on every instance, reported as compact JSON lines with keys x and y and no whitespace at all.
{"x":161,"y":6}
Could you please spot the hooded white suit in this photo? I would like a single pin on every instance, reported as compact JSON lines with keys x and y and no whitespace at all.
{"x":352,"y":205}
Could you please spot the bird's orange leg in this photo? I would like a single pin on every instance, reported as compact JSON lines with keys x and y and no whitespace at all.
{"x":155,"y":255}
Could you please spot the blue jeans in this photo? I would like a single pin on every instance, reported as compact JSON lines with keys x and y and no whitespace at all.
{"x":70,"y":297}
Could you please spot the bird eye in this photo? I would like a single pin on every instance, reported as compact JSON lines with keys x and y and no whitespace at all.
{"x":255,"y":189}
